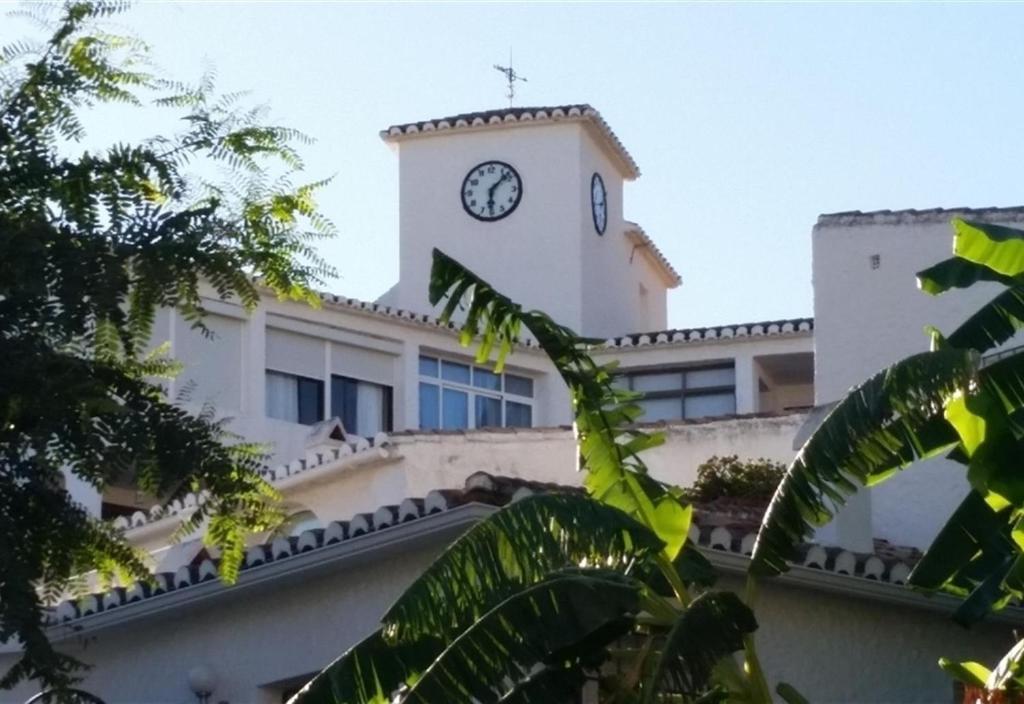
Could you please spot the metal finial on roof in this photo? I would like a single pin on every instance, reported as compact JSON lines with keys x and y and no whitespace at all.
{"x":511,"y":76}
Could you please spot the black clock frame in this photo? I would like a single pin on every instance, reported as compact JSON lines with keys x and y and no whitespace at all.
{"x":593,"y":205}
{"x":501,"y":216}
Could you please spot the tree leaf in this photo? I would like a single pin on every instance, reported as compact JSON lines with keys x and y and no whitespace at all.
{"x":370,"y":672}
{"x":609,"y":444}
{"x":957,"y":272}
{"x":515,"y":547}
{"x":972,"y":673}
{"x":999,"y":248}
{"x":710,"y":628}
{"x":884,"y":424}
{"x":568,"y":618}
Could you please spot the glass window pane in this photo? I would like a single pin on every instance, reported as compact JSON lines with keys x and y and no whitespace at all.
{"x":455,"y":372}
{"x":488,"y":412}
{"x":282,"y":397}
{"x":430,"y":403}
{"x":519,"y":385}
{"x":703,"y":378}
{"x":661,"y":409}
{"x":710,"y":405}
{"x":311,"y":401}
{"x":344,"y":395}
{"x":658,"y":382}
{"x":370,"y":404}
{"x":454,"y":409}
{"x":518,"y":415}
{"x":485,"y":379}
{"x":428,"y":366}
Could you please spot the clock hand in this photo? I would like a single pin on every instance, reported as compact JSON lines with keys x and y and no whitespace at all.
{"x":490,"y":191}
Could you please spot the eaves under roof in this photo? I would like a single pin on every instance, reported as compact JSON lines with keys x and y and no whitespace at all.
{"x":639,"y":238}
{"x":726,"y":528}
{"x":911,"y":215}
{"x":518,"y":116}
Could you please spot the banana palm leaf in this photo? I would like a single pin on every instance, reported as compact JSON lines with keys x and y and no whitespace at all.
{"x":609,"y":445}
{"x":370,"y":672}
{"x":881,"y":426}
{"x":999,"y":248}
{"x":516,"y":547}
{"x":989,"y":253}
{"x":712,"y":627}
{"x":569,"y":619}
{"x":957,"y":272}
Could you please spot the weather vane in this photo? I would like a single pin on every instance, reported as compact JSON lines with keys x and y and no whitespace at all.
{"x":511,"y":76}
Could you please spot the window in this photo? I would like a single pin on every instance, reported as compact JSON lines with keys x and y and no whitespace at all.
{"x":364,"y":408}
{"x":687,"y":392}
{"x":457,"y":395}
{"x":296,"y":399}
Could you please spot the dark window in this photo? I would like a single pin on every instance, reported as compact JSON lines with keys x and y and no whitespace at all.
{"x":311,"y":401}
{"x":365,"y":408}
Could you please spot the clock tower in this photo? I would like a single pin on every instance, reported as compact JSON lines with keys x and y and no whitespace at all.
{"x":531,"y":200}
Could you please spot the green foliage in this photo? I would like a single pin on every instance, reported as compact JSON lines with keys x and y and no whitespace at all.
{"x":91,"y":244}
{"x":609,"y":446}
{"x":527,"y":604}
{"x":516,"y":547}
{"x":883,"y":425}
{"x":947,"y":399}
{"x":731,"y":477}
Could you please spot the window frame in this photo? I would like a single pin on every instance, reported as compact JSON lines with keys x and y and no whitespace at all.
{"x":472,"y":392}
{"x":682,"y":393}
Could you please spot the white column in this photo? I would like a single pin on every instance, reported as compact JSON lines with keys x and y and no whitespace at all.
{"x":747,"y":390}
{"x":407,"y":388}
{"x":254,"y":366}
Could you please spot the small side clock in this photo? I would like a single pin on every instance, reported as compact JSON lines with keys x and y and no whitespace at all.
{"x":599,"y":203}
{"x":491,"y":191}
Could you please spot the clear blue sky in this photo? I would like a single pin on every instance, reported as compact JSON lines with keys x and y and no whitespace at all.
{"x":747,"y":120}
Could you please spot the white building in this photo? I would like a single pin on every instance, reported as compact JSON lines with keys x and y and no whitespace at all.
{"x":371,"y":508}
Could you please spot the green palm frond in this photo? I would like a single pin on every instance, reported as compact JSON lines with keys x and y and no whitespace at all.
{"x":881,"y":426}
{"x":957,"y":272}
{"x":370,"y":672}
{"x":996,"y":247}
{"x":710,"y":628}
{"x":609,"y":443}
{"x":515,"y":547}
{"x":566,"y":620}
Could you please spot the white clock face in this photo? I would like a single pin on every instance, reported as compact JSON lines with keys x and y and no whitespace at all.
{"x":491,"y":191}
{"x":599,"y":203}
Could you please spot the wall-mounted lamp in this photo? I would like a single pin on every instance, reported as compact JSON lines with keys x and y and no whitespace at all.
{"x":202,"y":680}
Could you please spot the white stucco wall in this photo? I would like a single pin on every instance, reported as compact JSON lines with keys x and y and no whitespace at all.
{"x":531,"y":255}
{"x":612,"y":270}
{"x":427,"y":461}
{"x":867,"y":318}
{"x":545,"y":254}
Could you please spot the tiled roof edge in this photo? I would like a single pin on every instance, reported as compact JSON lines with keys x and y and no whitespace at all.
{"x":911,"y":215}
{"x":528,"y":115}
{"x":768,"y":328}
{"x":479,"y":488}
